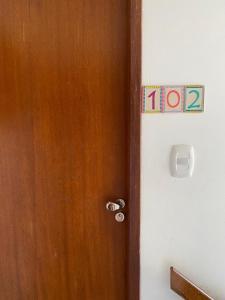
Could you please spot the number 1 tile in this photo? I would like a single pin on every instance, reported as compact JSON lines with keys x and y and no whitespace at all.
{"x":151,"y":99}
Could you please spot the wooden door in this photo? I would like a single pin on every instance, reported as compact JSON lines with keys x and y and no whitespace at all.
{"x":64,"y":98}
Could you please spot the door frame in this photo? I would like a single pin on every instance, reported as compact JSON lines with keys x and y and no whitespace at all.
{"x":134,"y":149}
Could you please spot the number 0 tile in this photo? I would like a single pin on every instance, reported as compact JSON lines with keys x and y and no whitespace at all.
{"x":173,"y":98}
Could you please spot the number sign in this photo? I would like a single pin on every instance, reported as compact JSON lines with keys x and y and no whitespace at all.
{"x":152,"y":100}
{"x":194,"y":98}
{"x":156,"y":99}
{"x":173,"y":99}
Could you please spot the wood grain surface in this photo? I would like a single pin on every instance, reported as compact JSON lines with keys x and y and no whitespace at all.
{"x":134,"y":150}
{"x":185,"y":288}
{"x":64,"y":97}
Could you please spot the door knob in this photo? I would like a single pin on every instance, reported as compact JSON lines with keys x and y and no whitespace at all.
{"x":114,"y":206}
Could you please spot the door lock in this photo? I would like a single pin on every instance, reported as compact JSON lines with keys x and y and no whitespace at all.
{"x":119,"y":217}
{"x":116,"y":206}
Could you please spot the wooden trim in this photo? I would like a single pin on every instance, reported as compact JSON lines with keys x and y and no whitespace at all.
{"x":134,"y":151}
{"x":185,"y":288}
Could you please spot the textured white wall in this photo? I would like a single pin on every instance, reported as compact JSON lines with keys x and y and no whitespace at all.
{"x":183,"y":220}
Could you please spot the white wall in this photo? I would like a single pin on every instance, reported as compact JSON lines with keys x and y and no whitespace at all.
{"x":183,"y":221}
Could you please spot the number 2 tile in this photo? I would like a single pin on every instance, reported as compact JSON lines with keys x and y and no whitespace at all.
{"x":194,"y":98}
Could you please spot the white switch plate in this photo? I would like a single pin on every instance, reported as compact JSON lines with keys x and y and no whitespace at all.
{"x":182,"y":161}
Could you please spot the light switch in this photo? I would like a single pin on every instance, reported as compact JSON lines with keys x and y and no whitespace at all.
{"x":182,"y":160}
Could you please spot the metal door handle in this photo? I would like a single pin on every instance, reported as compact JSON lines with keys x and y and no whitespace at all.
{"x":114,"y":206}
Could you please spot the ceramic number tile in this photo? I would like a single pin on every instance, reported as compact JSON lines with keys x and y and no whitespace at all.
{"x":151,"y":99}
{"x":194,"y":99}
{"x":173,"y":98}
